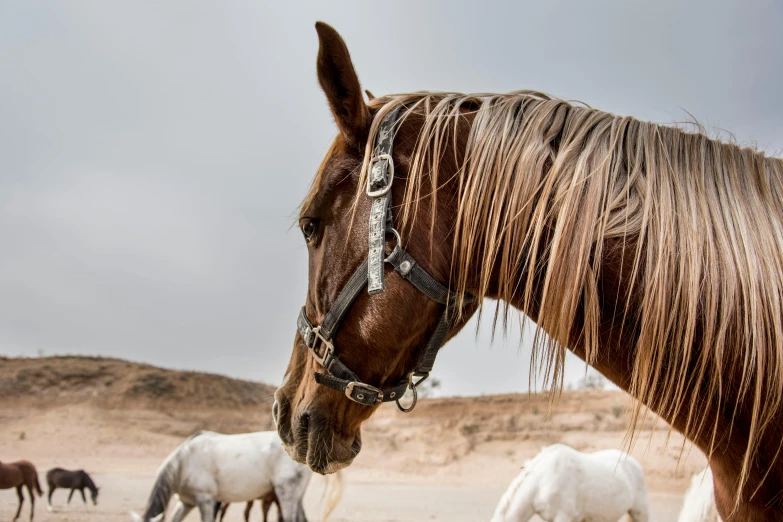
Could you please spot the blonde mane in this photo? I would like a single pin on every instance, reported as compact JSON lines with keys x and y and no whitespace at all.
{"x":703,"y":219}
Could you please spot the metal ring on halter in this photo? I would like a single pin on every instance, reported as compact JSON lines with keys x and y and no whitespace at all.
{"x":412,"y":386}
{"x":396,"y":236}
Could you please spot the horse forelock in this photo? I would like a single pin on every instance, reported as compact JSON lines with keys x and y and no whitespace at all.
{"x":545,"y":185}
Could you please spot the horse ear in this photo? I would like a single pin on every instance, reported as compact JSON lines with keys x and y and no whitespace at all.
{"x":340,"y":83}
{"x":370,"y":96}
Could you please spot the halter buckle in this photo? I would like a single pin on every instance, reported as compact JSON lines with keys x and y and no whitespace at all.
{"x":388,"y":181}
{"x":328,"y":352}
{"x":351,"y":385}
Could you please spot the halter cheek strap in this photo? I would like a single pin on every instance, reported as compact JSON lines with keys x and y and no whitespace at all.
{"x":319,"y":339}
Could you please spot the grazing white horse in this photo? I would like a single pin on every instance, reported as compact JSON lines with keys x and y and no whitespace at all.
{"x":561,"y":484}
{"x":699,"y":505}
{"x":211,"y":467}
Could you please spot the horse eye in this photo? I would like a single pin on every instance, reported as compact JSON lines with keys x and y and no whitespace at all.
{"x":308,"y":229}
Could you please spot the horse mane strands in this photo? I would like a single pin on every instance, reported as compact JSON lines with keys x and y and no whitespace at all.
{"x":701,"y":218}
{"x":165,"y":479}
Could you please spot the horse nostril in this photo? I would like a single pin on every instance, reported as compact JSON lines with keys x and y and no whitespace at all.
{"x":304,"y":422}
{"x":303,"y":426}
{"x":281,"y":414}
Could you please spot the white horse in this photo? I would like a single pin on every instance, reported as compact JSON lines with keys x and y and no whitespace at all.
{"x":561,"y":484}
{"x":212,"y":467}
{"x":699,"y":505}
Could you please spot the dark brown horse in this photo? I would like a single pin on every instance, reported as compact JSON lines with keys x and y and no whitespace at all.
{"x":77,"y":480}
{"x":18,"y":475}
{"x":654,"y":254}
{"x":266,"y":503}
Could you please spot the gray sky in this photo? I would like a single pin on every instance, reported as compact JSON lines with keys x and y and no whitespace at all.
{"x":153,"y":154}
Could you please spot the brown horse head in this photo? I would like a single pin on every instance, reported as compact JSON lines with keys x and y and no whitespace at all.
{"x":382,"y":336}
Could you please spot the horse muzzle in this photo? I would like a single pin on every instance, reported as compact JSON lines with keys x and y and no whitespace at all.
{"x":308,"y":438}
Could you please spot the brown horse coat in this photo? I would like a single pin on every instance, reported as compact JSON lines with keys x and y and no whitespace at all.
{"x":18,"y":475}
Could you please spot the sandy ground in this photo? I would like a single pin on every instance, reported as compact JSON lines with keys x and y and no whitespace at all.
{"x":123,"y":463}
{"x":449,"y":460}
{"x":362,"y":501}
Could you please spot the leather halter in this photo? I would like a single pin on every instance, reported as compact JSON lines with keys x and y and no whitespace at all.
{"x":319,"y":339}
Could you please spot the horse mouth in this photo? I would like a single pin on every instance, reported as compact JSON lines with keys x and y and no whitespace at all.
{"x":322,"y":465}
{"x":309,"y":439}
{"x":320,"y":449}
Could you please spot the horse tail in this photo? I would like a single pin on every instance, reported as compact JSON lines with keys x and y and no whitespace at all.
{"x":334,"y":484}
{"x":37,"y":485}
{"x":29,"y":476}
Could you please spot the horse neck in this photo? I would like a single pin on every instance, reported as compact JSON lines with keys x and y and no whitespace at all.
{"x":165,"y":482}
{"x":535,"y":222}
{"x":614,"y":354}
{"x":89,"y":483}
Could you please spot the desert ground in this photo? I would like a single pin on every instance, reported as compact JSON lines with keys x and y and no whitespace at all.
{"x":451,"y":459}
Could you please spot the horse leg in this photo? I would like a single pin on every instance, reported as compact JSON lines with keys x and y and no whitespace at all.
{"x":206,"y":507}
{"x":640,"y":509}
{"x":264,"y":508}
{"x":289,"y":506}
{"x":181,"y":510}
{"x":21,"y":500}
{"x":49,"y":497}
{"x":248,"y":507}
{"x":84,"y":499}
{"x":32,"y":501}
{"x":290,"y":489}
{"x":639,"y":514}
{"x":70,"y":495}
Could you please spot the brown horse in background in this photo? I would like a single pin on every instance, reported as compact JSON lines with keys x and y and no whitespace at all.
{"x":18,"y":475}
{"x":74,"y":480}
{"x":654,"y":254}
{"x":266,"y":503}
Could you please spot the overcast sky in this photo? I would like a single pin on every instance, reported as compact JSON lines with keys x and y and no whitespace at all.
{"x":153,"y":154}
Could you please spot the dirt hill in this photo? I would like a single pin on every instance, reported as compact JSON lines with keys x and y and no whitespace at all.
{"x":198,"y":399}
{"x":119,"y":385}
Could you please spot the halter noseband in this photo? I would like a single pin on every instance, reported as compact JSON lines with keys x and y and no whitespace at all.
{"x":319,"y":339}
